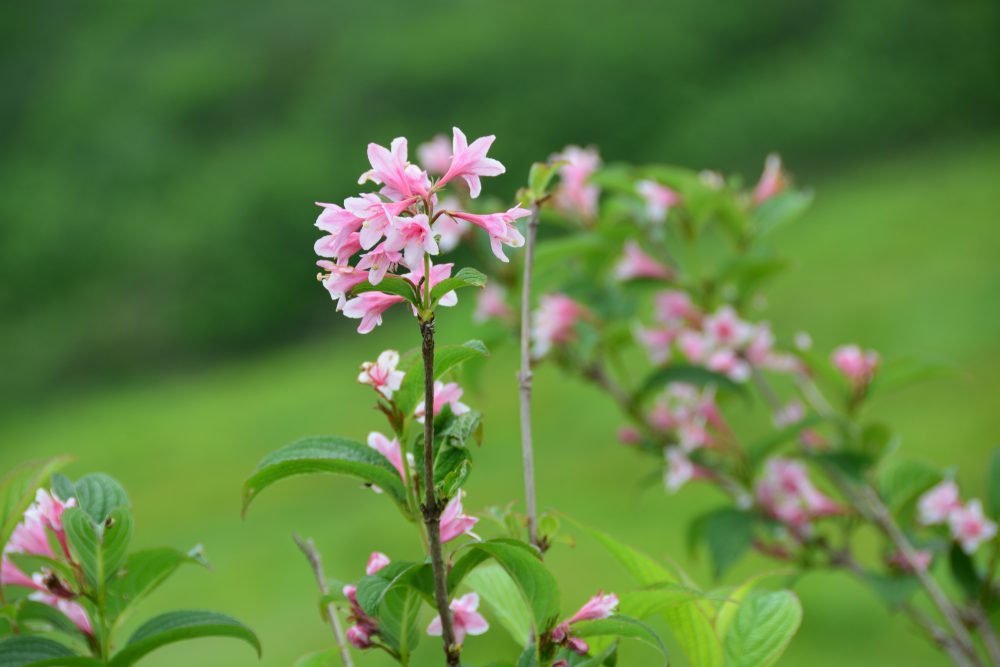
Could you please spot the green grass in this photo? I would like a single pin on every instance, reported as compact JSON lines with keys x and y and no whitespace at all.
{"x":899,"y":255}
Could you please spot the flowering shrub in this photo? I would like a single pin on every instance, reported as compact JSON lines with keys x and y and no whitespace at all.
{"x":67,"y":573}
{"x":382,"y":249}
{"x":648,"y":286}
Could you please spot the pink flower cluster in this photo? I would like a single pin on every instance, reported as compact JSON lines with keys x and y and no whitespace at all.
{"x":967,"y":523}
{"x":598,"y":607}
{"x":554,"y":322}
{"x":786,"y":493}
{"x":402,"y":223}
{"x":576,"y":194}
{"x":31,"y":536}
{"x":363,"y":627}
{"x":720,"y":341}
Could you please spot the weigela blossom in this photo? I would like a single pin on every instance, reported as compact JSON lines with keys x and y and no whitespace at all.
{"x":674,"y":307}
{"x":725,"y":328}
{"x":937,"y":504}
{"x":454,"y":522}
{"x":376,"y":562}
{"x":444,"y":394}
{"x":575,"y":192}
{"x":469,"y":162}
{"x":772,"y":181}
{"x":635,"y":263}
{"x":970,"y":527}
{"x":499,"y":226}
{"x":368,"y":307}
{"x":598,"y":607}
{"x":786,"y":493}
{"x":492,"y":304}
{"x":399,"y":178}
{"x":855,"y":364}
{"x":659,"y":198}
{"x":465,"y":619}
{"x":435,"y":155}
{"x":922,"y":559}
{"x":363,"y":627}
{"x":390,"y":449}
{"x":679,"y":471}
{"x":554,"y":322}
{"x":382,"y":374}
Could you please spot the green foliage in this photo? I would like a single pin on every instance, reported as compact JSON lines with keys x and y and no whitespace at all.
{"x":180,"y":626}
{"x":698,"y":376}
{"x":144,"y":572}
{"x":900,"y":481}
{"x":99,"y":495}
{"x":504,"y":600}
{"x":446,"y":357}
{"x":625,"y":627}
{"x":994,"y":485}
{"x":27,"y":651}
{"x":727,"y":532}
{"x":101,"y":549}
{"x":762,"y":628}
{"x":466,"y":277}
{"x":326,"y":454}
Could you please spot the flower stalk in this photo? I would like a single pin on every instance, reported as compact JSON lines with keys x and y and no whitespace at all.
{"x":308,"y":548}
{"x":524,"y":378}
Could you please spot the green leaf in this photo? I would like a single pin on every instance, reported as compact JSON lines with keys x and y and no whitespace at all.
{"x":99,"y":494}
{"x":689,"y":374}
{"x":655,"y":599}
{"x":30,"y":611}
{"x":540,"y":177}
{"x":894,"y":591}
{"x":524,"y":566}
{"x":18,"y":487}
{"x":25,"y":651}
{"x":764,"y":625}
{"x":100,"y":549}
{"x":690,"y":623}
{"x":504,"y":600}
{"x":390,"y":285}
{"x":780,"y":210}
{"x":144,"y":572}
{"x":372,"y":589}
{"x":398,"y":618}
{"x":902,"y":480}
{"x":446,"y":357}
{"x":326,"y":454}
{"x":965,"y":572}
{"x":179,"y":626}
{"x":622,"y":626}
{"x":466,"y":277}
{"x":994,"y":485}
{"x":728,"y":533}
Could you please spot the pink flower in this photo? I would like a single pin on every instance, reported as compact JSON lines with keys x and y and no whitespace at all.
{"x":575,"y":193}
{"x":724,"y":327}
{"x":359,"y":637}
{"x":379,"y":261}
{"x":730,"y":364}
{"x":637,"y":264}
{"x":376,"y":215}
{"x":856,"y":365}
{"x":791,"y":413}
{"x":444,"y":394}
{"x":598,"y":607}
{"x":693,"y":345}
{"x":629,"y":435}
{"x":339,"y":248}
{"x":376,"y":561}
{"x":413,"y":236}
{"x":492,"y":304}
{"x":439,"y":272}
{"x":469,"y":162}
{"x":465,"y":619}
{"x":368,"y":307}
{"x":788,"y":495}
{"x":772,"y":181}
{"x":342,"y":227}
{"x":554,"y":322}
{"x":435,"y":155}
{"x":937,"y":504}
{"x":970,"y":527}
{"x":340,"y":280}
{"x":659,"y":199}
{"x":679,"y":470}
{"x":399,"y":178}
{"x":74,"y":611}
{"x":382,"y":374}
{"x":922,"y":559}
{"x":673,"y":307}
{"x":389,"y":449}
{"x":449,"y":230}
{"x":499,"y":226}
{"x":454,"y":523}
{"x":658,"y":343}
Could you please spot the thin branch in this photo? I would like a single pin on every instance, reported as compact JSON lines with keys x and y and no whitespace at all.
{"x":941,"y":638}
{"x":316,"y":562}
{"x":524,"y":380}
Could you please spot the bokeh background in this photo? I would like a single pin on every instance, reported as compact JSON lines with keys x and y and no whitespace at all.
{"x":160,"y":321}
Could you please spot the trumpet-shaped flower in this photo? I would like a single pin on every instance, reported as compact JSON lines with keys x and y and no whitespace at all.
{"x":368,"y":307}
{"x":673,"y":307}
{"x":575,"y":192}
{"x":970,"y":527}
{"x":390,"y":449}
{"x":412,"y":235}
{"x":435,"y":155}
{"x":376,"y":216}
{"x":499,"y":226}
{"x":637,"y":264}
{"x":659,"y":198}
{"x":454,"y":522}
{"x":444,"y":394}
{"x":469,"y":162}
{"x":439,"y":272}
{"x":340,"y":280}
{"x":554,"y":322}
{"x":465,"y":619}
{"x":379,"y":261}
{"x":382,"y":374}
{"x":772,"y":181}
{"x":598,"y":607}
{"x":855,"y":364}
{"x":937,"y":504}
{"x":376,"y":561}
{"x":399,"y":179}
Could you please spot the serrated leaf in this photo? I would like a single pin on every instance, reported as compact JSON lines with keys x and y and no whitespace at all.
{"x":622,"y":626}
{"x":764,"y":625}
{"x":99,"y":494}
{"x":505,"y":602}
{"x":698,"y":376}
{"x":25,"y":651}
{"x":466,"y":277}
{"x":390,"y":285}
{"x":326,"y":454}
{"x":446,"y":357}
{"x":18,"y":487}
{"x":177,"y":626}
{"x":100,"y":549}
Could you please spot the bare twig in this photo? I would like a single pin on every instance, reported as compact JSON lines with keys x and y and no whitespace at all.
{"x":316,"y":562}
{"x":524,"y":380}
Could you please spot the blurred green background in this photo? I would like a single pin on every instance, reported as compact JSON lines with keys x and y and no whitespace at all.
{"x":159,"y":315}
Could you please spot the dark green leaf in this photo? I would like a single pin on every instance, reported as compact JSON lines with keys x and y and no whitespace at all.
{"x":851,"y":465}
{"x":99,"y":494}
{"x":31,"y":612}
{"x":27,"y":651}
{"x":100,"y":549}
{"x":688,"y":374}
{"x":728,"y":533}
{"x":179,"y":626}
{"x":143,"y":573}
{"x":965,"y":572}
{"x":895,"y":591}
{"x":622,"y":626}
{"x":326,"y":454}
{"x":398,"y":618}
{"x":391,"y":285}
{"x":466,"y":277}
{"x":764,"y":625}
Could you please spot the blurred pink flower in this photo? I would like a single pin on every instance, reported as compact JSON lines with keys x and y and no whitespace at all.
{"x":382,"y":374}
{"x":399,"y":178}
{"x":499,"y":226}
{"x":855,"y":364}
{"x":921,"y":561}
{"x":74,"y":611}
{"x":435,"y":155}
{"x":368,"y":307}
{"x":772,"y":181}
{"x":730,"y":364}
{"x":786,"y":493}
{"x":492,"y":304}
{"x":937,"y":504}
{"x":637,"y":264}
{"x":725,"y":328}
{"x":657,"y":341}
{"x":970,"y":527}
{"x":674,"y":307}
{"x":376,"y":561}
{"x":575,"y":193}
{"x":554,"y":322}
{"x":659,"y":198}
{"x":359,"y":637}
{"x":469,"y":162}
{"x":466,"y":620}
